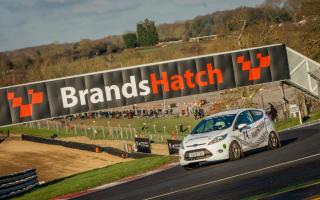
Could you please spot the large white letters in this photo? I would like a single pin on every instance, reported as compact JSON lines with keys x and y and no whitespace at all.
{"x":68,"y":93}
{"x":96,"y":96}
{"x":132,"y":84}
{"x":71,"y":97}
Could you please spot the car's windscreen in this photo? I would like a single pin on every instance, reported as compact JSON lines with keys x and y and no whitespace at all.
{"x":214,"y":124}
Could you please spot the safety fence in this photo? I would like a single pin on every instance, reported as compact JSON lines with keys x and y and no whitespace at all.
{"x":17,"y":183}
{"x":107,"y":132}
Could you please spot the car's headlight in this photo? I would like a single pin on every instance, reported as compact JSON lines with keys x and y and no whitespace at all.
{"x":218,"y":139}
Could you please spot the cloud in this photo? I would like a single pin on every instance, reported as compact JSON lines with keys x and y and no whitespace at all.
{"x":102,"y":6}
{"x":190,"y":2}
{"x":34,"y":22}
{"x":27,"y":5}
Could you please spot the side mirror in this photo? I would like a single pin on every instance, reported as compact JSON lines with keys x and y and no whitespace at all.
{"x":242,"y":126}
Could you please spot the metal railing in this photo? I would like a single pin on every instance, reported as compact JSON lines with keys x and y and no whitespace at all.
{"x":104,"y":132}
{"x":300,"y":68}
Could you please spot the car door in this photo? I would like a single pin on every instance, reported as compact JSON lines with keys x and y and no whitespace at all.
{"x":244,"y":135}
{"x":259,"y":133}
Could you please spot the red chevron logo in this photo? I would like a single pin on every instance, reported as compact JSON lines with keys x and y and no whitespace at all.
{"x":25,"y":109}
{"x":254,"y":72}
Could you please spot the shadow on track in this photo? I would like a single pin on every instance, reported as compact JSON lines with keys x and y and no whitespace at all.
{"x":284,"y":143}
{"x":288,"y":141}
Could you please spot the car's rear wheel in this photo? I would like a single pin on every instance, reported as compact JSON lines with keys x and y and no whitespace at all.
{"x":235,"y":151}
{"x":190,"y":166}
{"x":273,"y":141}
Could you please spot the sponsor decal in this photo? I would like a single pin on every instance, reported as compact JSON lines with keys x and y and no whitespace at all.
{"x":257,"y":129}
{"x":258,"y":136}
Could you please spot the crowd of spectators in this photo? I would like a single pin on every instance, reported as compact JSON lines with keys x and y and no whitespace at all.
{"x":198,"y":113}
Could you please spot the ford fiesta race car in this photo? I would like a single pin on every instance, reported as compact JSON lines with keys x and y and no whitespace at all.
{"x":227,"y":135}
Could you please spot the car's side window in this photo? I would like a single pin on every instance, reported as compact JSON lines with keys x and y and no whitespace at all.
{"x":200,"y":128}
{"x":256,"y":114}
{"x":244,"y":118}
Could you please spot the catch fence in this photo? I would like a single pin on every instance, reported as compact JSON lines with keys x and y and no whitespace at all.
{"x":66,"y":129}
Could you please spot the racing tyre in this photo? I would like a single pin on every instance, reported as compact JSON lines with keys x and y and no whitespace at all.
{"x":190,"y":166}
{"x":235,"y":151}
{"x":273,"y":141}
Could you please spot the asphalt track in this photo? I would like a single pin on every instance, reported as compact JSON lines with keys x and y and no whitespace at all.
{"x":296,"y":162}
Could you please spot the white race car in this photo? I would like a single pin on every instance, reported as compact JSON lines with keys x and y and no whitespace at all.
{"x":227,"y":135}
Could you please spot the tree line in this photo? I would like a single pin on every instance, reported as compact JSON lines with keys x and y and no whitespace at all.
{"x":145,"y":35}
{"x":58,"y":59}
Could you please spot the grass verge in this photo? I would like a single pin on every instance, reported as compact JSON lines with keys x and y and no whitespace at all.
{"x":295,"y":121}
{"x":90,"y":179}
{"x":281,"y":125}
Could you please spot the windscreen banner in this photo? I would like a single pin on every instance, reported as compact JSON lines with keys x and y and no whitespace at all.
{"x":144,"y":83}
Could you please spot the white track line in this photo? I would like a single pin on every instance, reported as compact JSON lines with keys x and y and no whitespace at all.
{"x":230,"y":177}
{"x":133,"y":178}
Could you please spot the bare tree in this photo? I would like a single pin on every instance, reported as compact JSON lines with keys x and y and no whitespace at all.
{"x":241,"y":32}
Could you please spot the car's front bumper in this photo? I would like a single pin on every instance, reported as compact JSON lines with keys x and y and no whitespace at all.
{"x":215,"y":152}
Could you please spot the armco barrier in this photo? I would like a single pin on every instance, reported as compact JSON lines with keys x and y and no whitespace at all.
{"x":74,"y":145}
{"x":3,"y":137}
{"x":82,"y":146}
{"x":17,"y":183}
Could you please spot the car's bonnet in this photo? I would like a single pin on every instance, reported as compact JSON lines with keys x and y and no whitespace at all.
{"x":202,"y":138}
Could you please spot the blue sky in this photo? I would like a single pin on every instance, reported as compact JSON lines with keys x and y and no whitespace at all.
{"x":27,"y":23}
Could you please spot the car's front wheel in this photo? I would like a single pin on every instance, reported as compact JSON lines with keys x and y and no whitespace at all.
{"x":235,"y":151}
{"x":273,"y":142}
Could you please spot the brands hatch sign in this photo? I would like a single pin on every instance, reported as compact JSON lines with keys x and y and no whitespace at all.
{"x":140,"y":84}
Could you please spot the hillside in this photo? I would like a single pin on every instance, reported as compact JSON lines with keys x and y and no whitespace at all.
{"x":295,"y":23}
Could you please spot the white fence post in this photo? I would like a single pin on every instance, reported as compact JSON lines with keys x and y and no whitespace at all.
{"x":104,"y":135}
{"x":127,"y":133}
{"x":57,"y":127}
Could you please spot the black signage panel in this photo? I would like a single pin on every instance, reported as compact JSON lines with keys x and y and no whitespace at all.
{"x":140,"y":84}
{"x":143,"y":145}
{"x":173,"y":146}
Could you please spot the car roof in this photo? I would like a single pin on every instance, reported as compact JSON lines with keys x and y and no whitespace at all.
{"x":233,"y":112}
